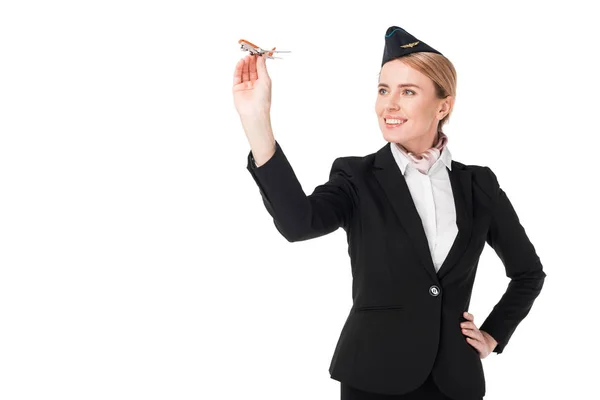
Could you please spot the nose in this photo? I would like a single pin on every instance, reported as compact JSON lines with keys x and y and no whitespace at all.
{"x":392,"y":104}
{"x":392,"y":108}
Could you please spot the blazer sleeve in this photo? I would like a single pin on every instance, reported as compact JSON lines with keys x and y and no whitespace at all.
{"x":297,"y":216}
{"x":507,"y":237}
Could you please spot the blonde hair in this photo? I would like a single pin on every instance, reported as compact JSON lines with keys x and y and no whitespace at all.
{"x":440,"y":70}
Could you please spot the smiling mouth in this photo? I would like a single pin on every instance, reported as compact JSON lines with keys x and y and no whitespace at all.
{"x":394,"y":121}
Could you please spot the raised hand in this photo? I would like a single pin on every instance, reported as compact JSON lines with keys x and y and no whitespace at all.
{"x":252,"y":87}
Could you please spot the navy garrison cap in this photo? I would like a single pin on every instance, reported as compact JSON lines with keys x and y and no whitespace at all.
{"x":399,"y":43}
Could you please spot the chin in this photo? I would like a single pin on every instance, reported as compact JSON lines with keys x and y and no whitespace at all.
{"x":394,"y":137}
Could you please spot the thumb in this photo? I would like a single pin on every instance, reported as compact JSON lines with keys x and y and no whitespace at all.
{"x":261,"y":67}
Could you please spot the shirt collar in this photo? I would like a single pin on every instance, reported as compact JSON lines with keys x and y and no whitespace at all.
{"x":403,"y":161}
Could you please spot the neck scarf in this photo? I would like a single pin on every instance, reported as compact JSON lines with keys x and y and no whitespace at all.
{"x":422,"y":162}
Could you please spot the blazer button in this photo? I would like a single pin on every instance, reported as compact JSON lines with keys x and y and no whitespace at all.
{"x":434,"y":290}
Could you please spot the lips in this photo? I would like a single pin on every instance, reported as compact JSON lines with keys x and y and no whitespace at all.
{"x":386,"y":117}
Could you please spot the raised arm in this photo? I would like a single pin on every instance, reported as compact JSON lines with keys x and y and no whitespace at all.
{"x":507,"y":237}
{"x":298,"y":216}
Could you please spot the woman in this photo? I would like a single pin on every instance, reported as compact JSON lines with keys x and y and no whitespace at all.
{"x":416,"y":223}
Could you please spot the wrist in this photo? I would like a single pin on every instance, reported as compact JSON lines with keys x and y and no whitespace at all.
{"x":257,"y":118}
{"x":490,"y":340}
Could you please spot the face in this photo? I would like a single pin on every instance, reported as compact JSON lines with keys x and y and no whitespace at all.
{"x":415,"y":103}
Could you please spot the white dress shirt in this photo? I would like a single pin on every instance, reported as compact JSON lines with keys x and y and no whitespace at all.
{"x":432,"y":195}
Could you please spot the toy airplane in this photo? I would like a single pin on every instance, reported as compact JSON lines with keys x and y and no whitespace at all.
{"x":254,"y":49}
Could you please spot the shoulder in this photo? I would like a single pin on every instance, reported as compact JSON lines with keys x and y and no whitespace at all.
{"x":482,"y":177}
{"x":358,"y":165}
{"x":354,"y":165}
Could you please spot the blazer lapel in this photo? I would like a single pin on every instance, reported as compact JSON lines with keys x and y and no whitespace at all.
{"x":392,"y":181}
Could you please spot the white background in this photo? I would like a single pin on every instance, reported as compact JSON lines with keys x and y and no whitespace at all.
{"x":137,"y":260}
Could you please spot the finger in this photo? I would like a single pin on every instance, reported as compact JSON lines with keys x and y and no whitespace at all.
{"x":237,"y":73}
{"x":253,"y":62}
{"x":468,"y":325}
{"x":245,"y":71}
{"x":261,"y":67}
{"x":468,"y":316}
{"x":475,"y":343}
{"x":476,"y":334}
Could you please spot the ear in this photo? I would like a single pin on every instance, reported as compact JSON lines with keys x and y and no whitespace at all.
{"x":445,"y":107}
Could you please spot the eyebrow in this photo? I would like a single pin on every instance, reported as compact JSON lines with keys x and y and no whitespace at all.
{"x":401,"y":85}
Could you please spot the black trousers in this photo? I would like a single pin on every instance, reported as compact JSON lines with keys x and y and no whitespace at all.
{"x":427,"y":391}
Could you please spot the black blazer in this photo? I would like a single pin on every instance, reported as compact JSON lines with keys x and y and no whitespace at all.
{"x":405,"y":319}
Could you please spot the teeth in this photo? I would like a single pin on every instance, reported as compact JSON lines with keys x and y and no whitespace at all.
{"x":394,"y":121}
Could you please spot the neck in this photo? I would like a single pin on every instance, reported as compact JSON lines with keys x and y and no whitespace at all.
{"x":419,"y":145}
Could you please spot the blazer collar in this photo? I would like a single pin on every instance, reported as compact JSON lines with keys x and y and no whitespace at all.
{"x":390,"y":177}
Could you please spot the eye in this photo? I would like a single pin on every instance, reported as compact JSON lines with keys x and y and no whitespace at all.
{"x":407,"y":90}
